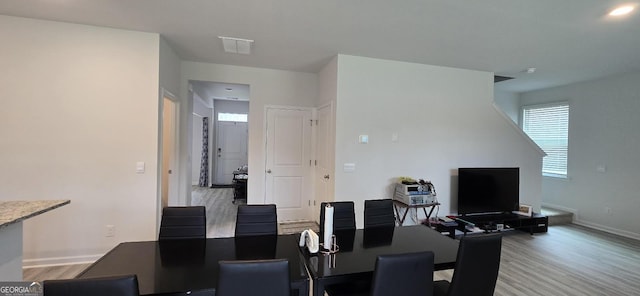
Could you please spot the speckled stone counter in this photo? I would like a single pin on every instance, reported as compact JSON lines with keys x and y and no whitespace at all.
{"x":12,"y":214}
{"x":16,"y":211}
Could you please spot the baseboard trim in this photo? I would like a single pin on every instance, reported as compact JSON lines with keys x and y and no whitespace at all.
{"x":56,"y":261}
{"x":578,"y":221}
{"x":560,"y":208}
{"x":627,"y":234}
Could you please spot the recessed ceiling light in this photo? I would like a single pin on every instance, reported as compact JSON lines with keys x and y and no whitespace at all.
{"x":622,"y":10}
{"x":530,"y":70}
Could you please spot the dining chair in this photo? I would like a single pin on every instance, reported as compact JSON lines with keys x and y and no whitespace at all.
{"x":103,"y":286}
{"x":476,"y":268}
{"x":406,"y":274}
{"x":183,"y":223}
{"x":256,"y":220}
{"x":254,"y":277}
{"x":344,"y":217}
{"x":379,"y":212}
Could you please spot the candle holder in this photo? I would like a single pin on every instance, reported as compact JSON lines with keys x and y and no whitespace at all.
{"x":333,"y":247}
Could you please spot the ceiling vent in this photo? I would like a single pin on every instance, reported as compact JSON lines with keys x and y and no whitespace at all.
{"x":497,"y":78}
{"x":236,"y":45}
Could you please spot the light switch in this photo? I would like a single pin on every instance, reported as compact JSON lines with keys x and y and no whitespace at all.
{"x":349,"y":167}
{"x":601,"y":168}
{"x":363,"y":139}
{"x":140,"y":167}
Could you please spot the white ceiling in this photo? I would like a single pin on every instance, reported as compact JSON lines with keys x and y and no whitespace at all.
{"x":566,"y":40}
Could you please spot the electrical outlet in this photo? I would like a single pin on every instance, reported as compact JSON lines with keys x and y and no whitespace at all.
{"x":110,"y":231}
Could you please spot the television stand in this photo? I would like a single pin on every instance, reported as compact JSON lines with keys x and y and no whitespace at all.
{"x":492,"y":222}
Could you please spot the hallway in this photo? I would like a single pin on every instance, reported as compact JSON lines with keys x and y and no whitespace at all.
{"x":221,"y":212}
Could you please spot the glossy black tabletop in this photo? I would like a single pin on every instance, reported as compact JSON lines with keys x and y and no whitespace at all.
{"x":180,"y":266}
{"x":360,"y":248}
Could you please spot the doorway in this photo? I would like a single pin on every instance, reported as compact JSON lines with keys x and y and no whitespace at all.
{"x":229,"y":136}
{"x":231,"y":153}
{"x":168,"y":176}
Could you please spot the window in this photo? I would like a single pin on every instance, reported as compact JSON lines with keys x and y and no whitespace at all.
{"x":548,"y":126}
{"x":232,"y":117}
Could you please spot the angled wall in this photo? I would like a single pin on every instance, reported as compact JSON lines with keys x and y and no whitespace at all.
{"x":425,"y":122}
{"x":602,"y":188}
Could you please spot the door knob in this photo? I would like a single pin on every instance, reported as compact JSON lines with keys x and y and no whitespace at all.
{"x":268,"y":171}
{"x":326,"y":177}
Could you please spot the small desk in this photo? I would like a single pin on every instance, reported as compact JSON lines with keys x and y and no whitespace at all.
{"x":182,"y":266}
{"x":359,"y":249}
{"x":240,"y":180}
{"x":400,"y":218}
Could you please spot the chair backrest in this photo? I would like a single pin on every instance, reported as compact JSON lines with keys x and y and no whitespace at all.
{"x":183,"y":223}
{"x":405,"y":274}
{"x":477,"y":265}
{"x":103,"y":286}
{"x":344,"y":215}
{"x":254,"y":277}
{"x":379,"y":212}
{"x":256,"y":220}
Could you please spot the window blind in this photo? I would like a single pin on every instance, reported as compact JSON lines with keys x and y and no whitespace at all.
{"x":548,"y":126}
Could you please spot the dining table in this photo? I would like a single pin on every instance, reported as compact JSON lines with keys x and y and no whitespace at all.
{"x":190,"y":266}
{"x":357,"y":251}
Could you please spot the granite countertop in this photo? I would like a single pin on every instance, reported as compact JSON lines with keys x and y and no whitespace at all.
{"x":16,"y":211}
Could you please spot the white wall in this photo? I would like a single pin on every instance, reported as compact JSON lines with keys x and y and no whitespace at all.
{"x":603,"y":131}
{"x":268,"y":87}
{"x":509,"y":103}
{"x":444,"y":119}
{"x":78,"y":109}
{"x":169,"y":68}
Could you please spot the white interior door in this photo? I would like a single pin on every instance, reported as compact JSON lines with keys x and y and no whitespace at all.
{"x":232,"y":149}
{"x":288,"y":162}
{"x":324,"y":166}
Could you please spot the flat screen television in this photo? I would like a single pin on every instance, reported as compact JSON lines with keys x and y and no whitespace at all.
{"x":488,"y":190}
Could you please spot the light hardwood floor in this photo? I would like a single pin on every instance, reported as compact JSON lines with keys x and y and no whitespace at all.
{"x":221,"y":212}
{"x":568,"y":260}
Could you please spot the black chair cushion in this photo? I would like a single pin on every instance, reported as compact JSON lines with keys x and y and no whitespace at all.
{"x":378,"y":213}
{"x":254,"y":277}
{"x":256,"y":220}
{"x":183,"y":223}
{"x":104,"y":286}
{"x":441,"y":287}
{"x":405,"y":274}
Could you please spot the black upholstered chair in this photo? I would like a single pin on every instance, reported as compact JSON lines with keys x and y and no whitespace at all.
{"x":344,"y":216}
{"x":476,"y":269}
{"x":256,"y":220}
{"x":405,"y":274}
{"x":183,"y":223}
{"x":254,"y":277}
{"x":379,"y":212}
{"x":104,"y":286}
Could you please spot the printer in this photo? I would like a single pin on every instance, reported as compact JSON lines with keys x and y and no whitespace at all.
{"x":415,"y":194}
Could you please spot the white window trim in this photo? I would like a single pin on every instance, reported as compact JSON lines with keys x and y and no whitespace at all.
{"x":523,"y":110}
